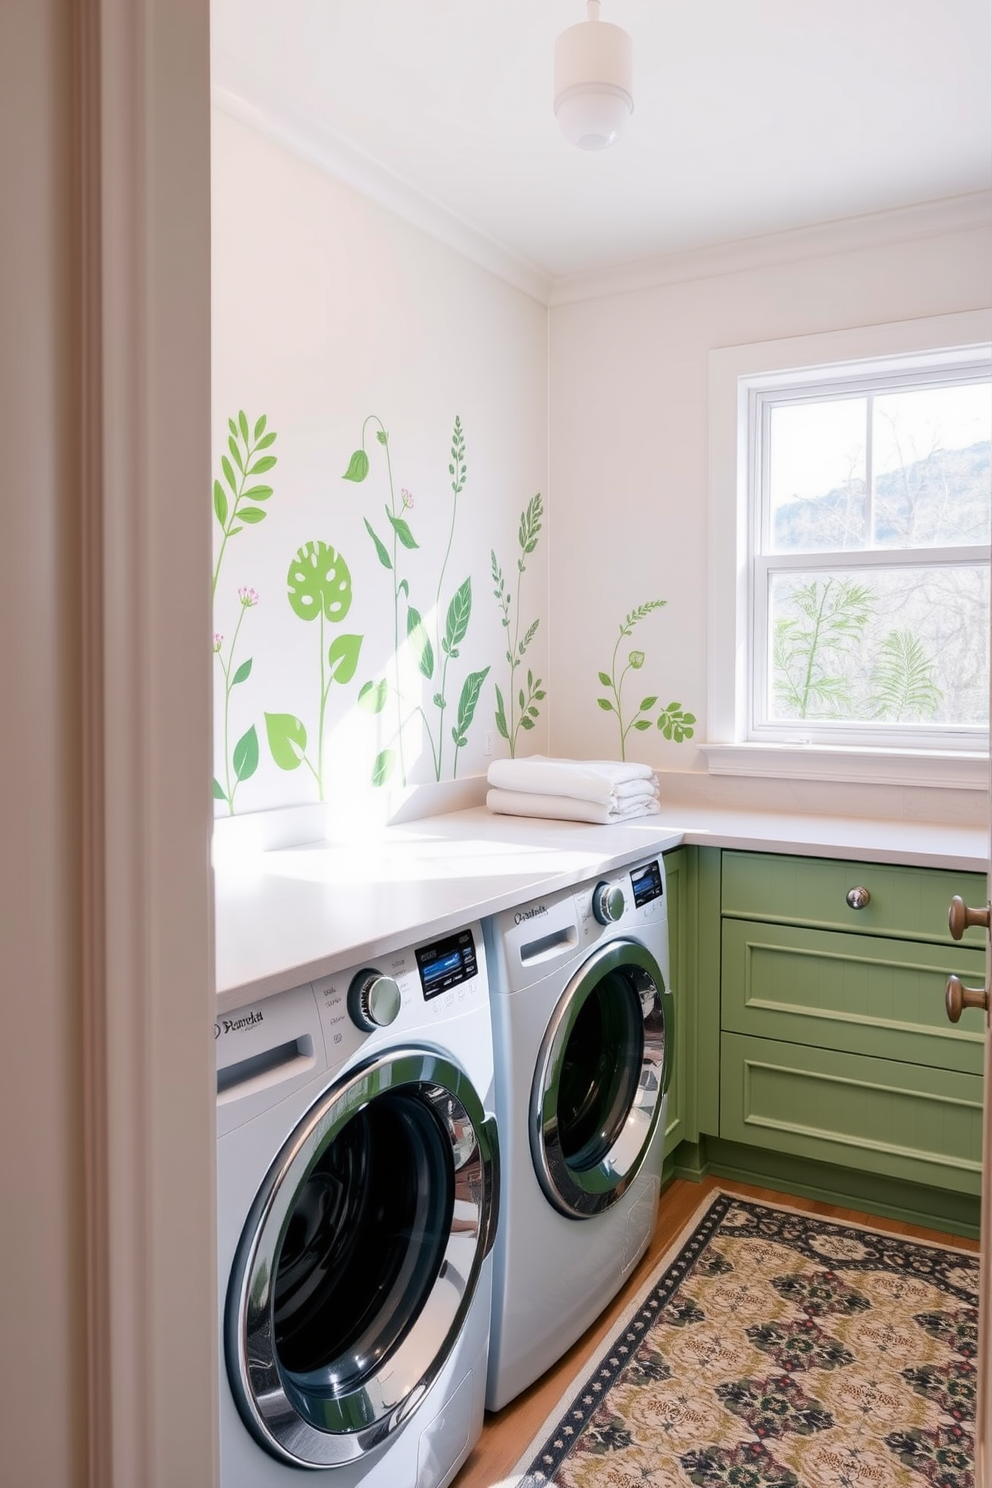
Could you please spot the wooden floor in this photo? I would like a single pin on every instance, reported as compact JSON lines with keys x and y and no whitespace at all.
{"x":507,"y":1433}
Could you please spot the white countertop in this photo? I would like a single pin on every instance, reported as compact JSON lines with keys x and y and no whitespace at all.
{"x":288,"y":915}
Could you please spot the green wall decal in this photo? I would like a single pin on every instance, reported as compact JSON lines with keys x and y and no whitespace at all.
{"x":525,"y":700}
{"x":319,"y":588}
{"x":673,"y":721}
{"x":235,"y":508}
{"x":432,"y":655}
{"x":234,"y":515}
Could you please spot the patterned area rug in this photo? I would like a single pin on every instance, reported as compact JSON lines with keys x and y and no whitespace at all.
{"x":779,"y":1350}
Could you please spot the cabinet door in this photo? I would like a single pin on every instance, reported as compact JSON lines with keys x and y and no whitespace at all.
{"x":902,"y":1120}
{"x":903,"y":903}
{"x":857,"y":993}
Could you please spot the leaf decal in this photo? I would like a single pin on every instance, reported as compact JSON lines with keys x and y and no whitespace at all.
{"x":402,"y":529}
{"x":342,"y":658}
{"x":384,"y":557}
{"x":467,"y":703}
{"x":262,"y":465}
{"x":372,"y":696}
{"x":385,"y":763}
{"x":229,"y":476}
{"x":243,"y":424}
{"x":459,"y":614}
{"x":605,"y":679}
{"x":530,"y":525}
{"x":260,"y":428}
{"x":251,"y":515}
{"x":358,"y":467}
{"x":287,"y":739}
{"x":246,"y":755}
{"x":220,"y":503}
{"x":243,"y":673}
{"x":257,"y":493}
{"x":605,"y":704}
{"x":319,"y":580}
{"x":501,"y":716}
{"x":420,"y":642}
{"x":219,"y":793}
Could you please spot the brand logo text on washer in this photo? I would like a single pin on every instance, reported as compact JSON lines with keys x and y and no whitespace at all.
{"x":233,"y":1025}
{"x":528,"y":914}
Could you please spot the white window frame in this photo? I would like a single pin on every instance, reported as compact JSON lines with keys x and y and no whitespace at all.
{"x":737,"y":377}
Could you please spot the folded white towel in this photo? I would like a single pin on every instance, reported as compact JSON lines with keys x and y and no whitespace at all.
{"x":568,"y":808}
{"x":585,"y":780}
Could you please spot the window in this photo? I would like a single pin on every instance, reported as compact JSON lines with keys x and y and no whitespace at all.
{"x":861,"y":517}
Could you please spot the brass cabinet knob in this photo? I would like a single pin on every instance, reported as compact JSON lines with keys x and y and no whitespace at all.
{"x":958,"y":997}
{"x":960,"y":917}
{"x":858,"y":897}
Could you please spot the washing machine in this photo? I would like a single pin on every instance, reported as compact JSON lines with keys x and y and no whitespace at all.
{"x":358,"y":1181}
{"x":584,"y":1031}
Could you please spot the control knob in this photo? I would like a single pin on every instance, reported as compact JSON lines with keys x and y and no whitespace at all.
{"x":373,"y":999}
{"x":608,"y":903}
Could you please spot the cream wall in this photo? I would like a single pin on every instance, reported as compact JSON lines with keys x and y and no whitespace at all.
{"x":328,"y":309}
{"x":629,"y":472}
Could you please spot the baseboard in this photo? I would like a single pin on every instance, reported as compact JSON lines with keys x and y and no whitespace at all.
{"x":931,"y":1208}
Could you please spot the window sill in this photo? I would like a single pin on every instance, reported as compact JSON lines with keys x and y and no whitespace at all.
{"x":947,"y":771}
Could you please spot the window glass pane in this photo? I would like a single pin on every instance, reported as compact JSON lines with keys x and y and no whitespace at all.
{"x":930,"y":466}
{"x":882,"y":646}
{"x":816,"y":476}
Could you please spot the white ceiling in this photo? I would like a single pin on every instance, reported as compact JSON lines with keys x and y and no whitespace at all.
{"x":750,"y":116}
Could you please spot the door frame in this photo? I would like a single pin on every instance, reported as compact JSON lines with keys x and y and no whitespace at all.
{"x":140,"y":329}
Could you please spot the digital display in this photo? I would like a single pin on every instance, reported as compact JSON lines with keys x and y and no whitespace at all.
{"x":446,"y":963}
{"x":646,"y":883}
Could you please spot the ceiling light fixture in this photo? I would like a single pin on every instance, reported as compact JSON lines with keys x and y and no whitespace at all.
{"x":593,"y":97}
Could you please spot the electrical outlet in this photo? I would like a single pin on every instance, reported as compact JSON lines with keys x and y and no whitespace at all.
{"x":487,"y":743}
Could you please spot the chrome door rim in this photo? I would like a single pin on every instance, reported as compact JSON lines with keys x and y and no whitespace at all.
{"x":362,"y":1417}
{"x":582,"y":1193}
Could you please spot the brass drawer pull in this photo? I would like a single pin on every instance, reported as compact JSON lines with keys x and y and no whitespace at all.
{"x":858,"y":897}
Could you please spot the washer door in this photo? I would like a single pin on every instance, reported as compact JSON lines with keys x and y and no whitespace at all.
{"x":602,"y":1073}
{"x":360,"y":1258}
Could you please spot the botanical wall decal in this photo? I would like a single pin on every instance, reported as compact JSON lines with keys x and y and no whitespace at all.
{"x":674,"y":722}
{"x":523,"y":701}
{"x":319,"y":588}
{"x":432,"y":655}
{"x":235,"y":508}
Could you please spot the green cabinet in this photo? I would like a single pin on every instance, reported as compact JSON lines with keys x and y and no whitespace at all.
{"x":834,"y":1045}
{"x":677,"y":874}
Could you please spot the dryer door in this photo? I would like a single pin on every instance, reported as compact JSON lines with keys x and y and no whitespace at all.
{"x":601,"y":1077}
{"x":360,"y":1257}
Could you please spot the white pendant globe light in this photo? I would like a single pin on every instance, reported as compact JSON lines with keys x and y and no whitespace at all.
{"x":593,"y":97}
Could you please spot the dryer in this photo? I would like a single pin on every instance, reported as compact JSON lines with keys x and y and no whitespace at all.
{"x":358,"y":1177}
{"x":584,"y":1030}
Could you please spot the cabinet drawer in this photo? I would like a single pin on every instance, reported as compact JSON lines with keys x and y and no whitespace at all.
{"x":905,"y":902}
{"x":903,"y":1120}
{"x":858,"y":993}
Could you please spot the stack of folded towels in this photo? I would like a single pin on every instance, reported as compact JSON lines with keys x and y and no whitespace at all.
{"x":572,"y":790}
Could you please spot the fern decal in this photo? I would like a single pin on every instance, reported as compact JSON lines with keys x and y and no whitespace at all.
{"x":523,"y":711}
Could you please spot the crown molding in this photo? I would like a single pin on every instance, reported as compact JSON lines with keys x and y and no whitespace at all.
{"x":247,"y":98}
{"x":252,"y":103}
{"x":845,"y":235}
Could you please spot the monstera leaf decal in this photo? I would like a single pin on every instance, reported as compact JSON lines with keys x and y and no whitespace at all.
{"x":319,"y":583}
{"x":318,"y":587}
